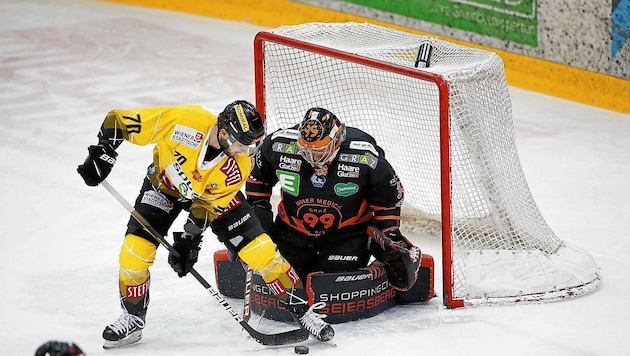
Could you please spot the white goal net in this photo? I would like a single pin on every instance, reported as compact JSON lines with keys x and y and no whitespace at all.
{"x":447,"y":130}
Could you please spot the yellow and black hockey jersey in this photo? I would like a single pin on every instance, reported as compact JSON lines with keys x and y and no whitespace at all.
{"x":180,"y":135}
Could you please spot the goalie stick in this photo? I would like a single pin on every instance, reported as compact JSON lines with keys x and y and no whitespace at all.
{"x":283,"y":338}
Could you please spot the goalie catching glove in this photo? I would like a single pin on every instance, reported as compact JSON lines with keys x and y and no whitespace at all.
{"x":188,"y":247}
{"x":97,"y":165}
{"x":401,"y":258}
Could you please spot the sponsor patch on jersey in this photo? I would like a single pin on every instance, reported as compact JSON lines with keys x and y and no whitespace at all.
{"x":232,"y":171}
{"x":197,"y":176}
{"x":367,"y":159}
{"x":363,"y":146}
{"x":318,"y":181}
{"x":187,"y":136}
{"x":284,"y":148}
{"x":346,"y":171}
{"x":290,"y":163}
{"x":346,"y":189}
{"x":158,"y":200}
{"x":289,"y":182}
{"x":179,"y":181}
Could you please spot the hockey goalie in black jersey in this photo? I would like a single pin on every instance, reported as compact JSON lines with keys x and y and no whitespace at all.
{"x":340,"y":205}
{"x":340,"y":200}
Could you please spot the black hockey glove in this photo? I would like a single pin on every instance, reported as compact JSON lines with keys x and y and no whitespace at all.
{"x":188,"y":247}
{"x":262,"y":209}
{"x":401,"y":258}
{"x":97,"y":165}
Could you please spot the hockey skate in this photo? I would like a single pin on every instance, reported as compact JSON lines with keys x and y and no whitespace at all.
{"x":126,"y":330}
{"x":314,"y":323}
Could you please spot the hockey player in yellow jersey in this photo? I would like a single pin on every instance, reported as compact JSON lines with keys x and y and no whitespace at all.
{"x":200,"y":163}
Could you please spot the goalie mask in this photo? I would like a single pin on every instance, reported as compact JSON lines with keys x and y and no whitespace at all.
{"x":244,"y":125}
{"x":321,"y":135}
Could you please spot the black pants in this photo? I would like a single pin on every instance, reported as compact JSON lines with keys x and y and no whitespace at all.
{"x":341,"y":252}
{"x":159,"y":209}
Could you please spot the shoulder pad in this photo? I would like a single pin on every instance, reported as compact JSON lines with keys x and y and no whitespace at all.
{"x":363,"y":146}
{"x":286,"y":133}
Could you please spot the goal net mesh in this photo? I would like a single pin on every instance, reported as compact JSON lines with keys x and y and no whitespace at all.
{"x":499,"y":248}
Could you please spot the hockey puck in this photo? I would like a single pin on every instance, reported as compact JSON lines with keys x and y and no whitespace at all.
{"x":302,"y":350}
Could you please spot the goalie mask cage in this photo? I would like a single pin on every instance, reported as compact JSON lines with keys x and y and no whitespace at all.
{"x":447,"y":130}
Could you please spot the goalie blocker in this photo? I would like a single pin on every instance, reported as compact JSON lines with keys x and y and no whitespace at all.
{"x":348,"y":296}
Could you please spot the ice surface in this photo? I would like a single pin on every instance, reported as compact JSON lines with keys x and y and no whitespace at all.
{"x":64,"y":64}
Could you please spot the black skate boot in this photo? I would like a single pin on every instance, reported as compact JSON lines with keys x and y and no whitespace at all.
{"x":127,"y":329}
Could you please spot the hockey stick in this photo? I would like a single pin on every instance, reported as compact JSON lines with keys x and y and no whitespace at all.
{"x":247,"y":297}
{"x":283,"y":338}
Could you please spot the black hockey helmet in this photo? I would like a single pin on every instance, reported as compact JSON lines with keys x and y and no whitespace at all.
{"x":243,"y":122}
{"x":59,"y":348}
{"x":321,"y":134}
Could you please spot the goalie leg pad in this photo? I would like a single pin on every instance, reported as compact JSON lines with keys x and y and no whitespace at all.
{"x":352,"y":295}
{"x":229,"y":275}
{"x":348,"y":296}
{"x":423,"y":290}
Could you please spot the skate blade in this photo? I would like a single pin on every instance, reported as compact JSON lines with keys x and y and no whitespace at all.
{"x":130,"y":339}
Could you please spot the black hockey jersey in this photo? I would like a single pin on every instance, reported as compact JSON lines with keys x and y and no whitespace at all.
{"x":361,"y":187}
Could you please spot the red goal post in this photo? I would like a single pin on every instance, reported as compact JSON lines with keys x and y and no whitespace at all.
{"x":447,"y":130}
